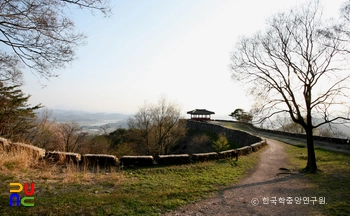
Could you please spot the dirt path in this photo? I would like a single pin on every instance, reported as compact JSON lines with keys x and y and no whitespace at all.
{"x":267,"y":180}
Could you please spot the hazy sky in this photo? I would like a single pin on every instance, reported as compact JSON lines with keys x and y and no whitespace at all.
{"x":180,"y":48}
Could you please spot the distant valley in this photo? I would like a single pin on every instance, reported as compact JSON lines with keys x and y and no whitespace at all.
{"x":91,"y":122}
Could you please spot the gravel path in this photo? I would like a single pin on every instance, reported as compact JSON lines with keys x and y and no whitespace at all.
{"x":267,"y":180}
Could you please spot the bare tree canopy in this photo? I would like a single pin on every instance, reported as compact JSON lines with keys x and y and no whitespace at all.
{"x":39,"y":35}
{"x":70,"y":135}
{"x":158,"y":126}
{"x":345,"y":11}
{"x":296,"y":67}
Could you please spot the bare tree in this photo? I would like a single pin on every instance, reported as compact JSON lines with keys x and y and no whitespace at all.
{"x":70,"y":135}
{"x":345,"y":15}
{"x":42,"y":135}
{"x":158,"y":126}
{"x":295,"y":68}
{"x":286,"y":124}
{"x":38,"y":34}
{"x":141,"y":125}
{"x":95,"y":145}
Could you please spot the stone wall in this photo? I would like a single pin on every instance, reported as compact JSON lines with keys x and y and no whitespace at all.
{"x":101,"y":160}
{"x":174,"y":159}
{"x":246,"y":142}
{"x":283,"y":133}
{"x":34,"y":151}
{"x":178,"y":159}
{"x":239,"y":137}
{"x":137,"y":161}
{"x":58,"y":156}
{"x":3,"y":144}
{"x":63,"y":157}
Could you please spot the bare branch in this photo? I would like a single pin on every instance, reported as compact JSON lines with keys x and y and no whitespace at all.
{"x":40,"y":35}
{"x":291,"y":60}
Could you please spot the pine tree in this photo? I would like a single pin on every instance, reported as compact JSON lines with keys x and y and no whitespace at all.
{"x":16,"y":115}
{"x":221,"y":144}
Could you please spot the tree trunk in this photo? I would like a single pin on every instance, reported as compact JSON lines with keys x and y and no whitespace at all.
{"x":311,"y":166}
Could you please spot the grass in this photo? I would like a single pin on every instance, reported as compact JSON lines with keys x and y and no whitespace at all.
{"x":236,"y":126}
{"x":64,"y":190}
{"x":333,"y":180}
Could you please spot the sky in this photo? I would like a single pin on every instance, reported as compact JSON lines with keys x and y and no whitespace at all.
{"x":149,"y":48}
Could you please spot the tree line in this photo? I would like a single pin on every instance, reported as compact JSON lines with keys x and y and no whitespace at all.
{"x":156,"y":129}
{"x":153,"y":130}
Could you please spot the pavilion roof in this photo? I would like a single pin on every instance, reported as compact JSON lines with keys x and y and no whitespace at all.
{"x":200,"y":112}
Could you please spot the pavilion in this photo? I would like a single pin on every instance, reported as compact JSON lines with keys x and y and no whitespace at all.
{"x":200,"y":114}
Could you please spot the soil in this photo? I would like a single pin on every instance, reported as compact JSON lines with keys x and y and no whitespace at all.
{"x":271,"y":178}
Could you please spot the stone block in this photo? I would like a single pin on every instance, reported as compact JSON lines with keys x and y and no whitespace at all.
{"x":174,"y":159}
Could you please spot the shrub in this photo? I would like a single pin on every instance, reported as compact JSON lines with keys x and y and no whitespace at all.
{"x":221,"y":144}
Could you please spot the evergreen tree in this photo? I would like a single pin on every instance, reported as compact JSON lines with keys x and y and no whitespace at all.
{"x":16,"y":115}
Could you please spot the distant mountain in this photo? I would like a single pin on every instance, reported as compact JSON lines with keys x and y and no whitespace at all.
{"x":90,"y":121}
{"x":335,"y":130}
{"x":86,"y":117}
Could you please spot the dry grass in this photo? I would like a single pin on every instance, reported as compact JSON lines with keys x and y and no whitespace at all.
{"x":18,"y":161}
{"x":68,"y":188}
{"x":20,"y":165}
